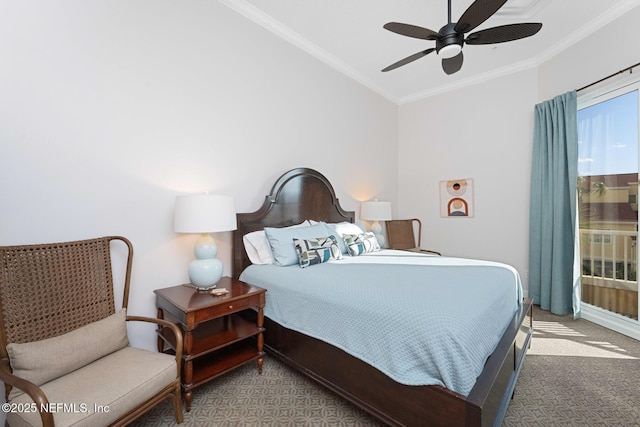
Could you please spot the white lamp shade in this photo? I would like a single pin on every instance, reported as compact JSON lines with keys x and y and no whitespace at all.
{"x":204,"y":213}
{"x":375,"y":211}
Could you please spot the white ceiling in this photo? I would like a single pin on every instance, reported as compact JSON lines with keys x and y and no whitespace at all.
{"x":348,"y":35}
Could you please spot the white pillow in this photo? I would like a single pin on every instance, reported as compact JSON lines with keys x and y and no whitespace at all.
{"x":342,"y":228}
{"x":257,"y":246}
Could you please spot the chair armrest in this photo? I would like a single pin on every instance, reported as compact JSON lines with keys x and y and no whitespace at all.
{"x":34,"y":392}
{"x":174,"y":328}
{"x":430,"y":252}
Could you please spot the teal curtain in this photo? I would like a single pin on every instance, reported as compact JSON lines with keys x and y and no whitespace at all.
{"x":552,"y":227}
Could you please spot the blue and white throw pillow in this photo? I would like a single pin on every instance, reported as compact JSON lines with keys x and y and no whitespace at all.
{"x":358,"y":244}
{"x":317,"y":251}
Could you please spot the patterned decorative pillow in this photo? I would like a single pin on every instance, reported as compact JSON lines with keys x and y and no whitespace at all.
{"x":358,"y":244}
{"x":317,"y":251}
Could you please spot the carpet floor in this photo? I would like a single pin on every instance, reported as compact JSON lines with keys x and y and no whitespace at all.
{"x":576,"y":373}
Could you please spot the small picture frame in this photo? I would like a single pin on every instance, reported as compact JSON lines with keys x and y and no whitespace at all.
{"x":456,"y":198}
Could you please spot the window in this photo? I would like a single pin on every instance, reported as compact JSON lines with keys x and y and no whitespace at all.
{"x":608,"y":159}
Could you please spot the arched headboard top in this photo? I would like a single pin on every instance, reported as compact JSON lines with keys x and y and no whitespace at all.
{"x":297,"y":195}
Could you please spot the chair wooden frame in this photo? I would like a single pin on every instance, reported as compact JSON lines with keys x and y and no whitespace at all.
{"x":401,"y":236}
{"x":47,"y":290}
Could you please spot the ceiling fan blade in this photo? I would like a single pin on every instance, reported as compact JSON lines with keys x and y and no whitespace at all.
{"x":452,"y":65}
{"x":504,"y":33}
{"x":407,"y":60}
{"x":411,"y":31}
{"x":477,"y":13}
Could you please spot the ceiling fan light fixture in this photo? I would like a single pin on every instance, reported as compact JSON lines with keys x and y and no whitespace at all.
{"x":450,"y":51}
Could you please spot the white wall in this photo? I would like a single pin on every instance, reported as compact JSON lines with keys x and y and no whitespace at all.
{"x":607,"y":51}
{"x":483,"y":132}
{"x":109,"y":109}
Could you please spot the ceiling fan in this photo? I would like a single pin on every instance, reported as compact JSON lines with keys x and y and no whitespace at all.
{"x":450,"y":39}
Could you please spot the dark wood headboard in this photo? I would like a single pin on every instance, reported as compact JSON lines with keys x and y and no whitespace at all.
{"x":297,"y":195}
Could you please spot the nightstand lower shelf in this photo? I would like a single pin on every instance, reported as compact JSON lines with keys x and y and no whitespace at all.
{"x":212,"y":335}
{"x":214,"y":364}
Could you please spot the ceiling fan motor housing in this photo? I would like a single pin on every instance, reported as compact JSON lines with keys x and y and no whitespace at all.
{"x":448,"y":37}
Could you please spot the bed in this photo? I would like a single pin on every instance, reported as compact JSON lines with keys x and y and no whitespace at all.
{"x":390,"y":395}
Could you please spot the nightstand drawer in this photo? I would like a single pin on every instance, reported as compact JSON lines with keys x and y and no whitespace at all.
{"x":227,"y":307}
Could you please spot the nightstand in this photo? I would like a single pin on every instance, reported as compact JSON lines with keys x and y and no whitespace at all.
{"x":217,"y":336}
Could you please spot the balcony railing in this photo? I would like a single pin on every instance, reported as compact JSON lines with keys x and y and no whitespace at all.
{"x":609,"y":270}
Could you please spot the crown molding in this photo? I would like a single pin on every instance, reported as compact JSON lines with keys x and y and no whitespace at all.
{"x":586,"y":30}
{"x":259,"y":17}
{"x":256,"y":15}
{"x":474,"y":80}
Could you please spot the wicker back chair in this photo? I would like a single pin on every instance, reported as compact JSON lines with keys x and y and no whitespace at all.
{"x":401,"y":235}
{"x":49,"y":290}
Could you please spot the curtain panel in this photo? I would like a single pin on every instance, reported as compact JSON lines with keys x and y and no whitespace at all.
{"x":552,"y":226}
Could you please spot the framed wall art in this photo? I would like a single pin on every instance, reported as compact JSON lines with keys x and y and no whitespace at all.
{"x":456,"y":198}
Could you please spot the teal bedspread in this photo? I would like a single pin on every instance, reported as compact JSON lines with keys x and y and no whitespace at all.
{"x":421,"y":320}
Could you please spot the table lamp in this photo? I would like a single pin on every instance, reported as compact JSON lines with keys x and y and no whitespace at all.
{"x":376,"y":211}
{"x":205,"y":213}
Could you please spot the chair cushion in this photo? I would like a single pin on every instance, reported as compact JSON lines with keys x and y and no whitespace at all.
{"x":115,"y":383}
{"x":46,"y":360}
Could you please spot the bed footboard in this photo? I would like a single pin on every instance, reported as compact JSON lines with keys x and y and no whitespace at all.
{"x":495,"y":386}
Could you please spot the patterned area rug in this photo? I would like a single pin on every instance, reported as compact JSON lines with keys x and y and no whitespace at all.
{"x":278,"y":397}
{"x":575,"y":374}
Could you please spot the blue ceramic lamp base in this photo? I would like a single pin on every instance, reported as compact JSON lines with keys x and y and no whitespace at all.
{"x":206,"y":270}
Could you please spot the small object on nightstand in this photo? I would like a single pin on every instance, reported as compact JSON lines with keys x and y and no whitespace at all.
{"x":218,"y":292}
